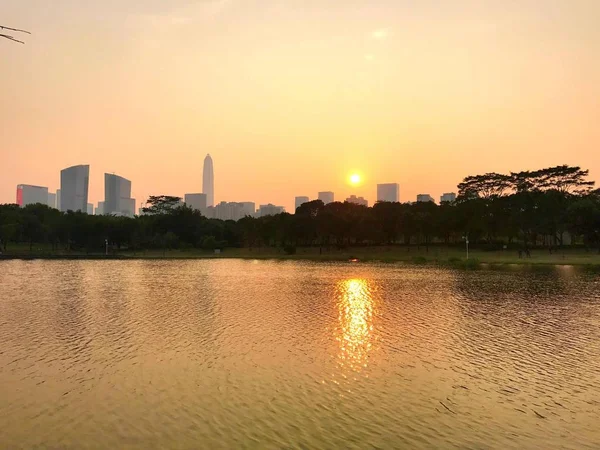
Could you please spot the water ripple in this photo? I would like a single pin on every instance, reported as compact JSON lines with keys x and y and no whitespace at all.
{"x":257,"y":354}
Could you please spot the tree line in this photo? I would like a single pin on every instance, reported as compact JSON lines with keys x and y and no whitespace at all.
{"x":521,"y":210}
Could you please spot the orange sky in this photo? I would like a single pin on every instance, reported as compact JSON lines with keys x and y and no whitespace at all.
{"x":291,"y":96}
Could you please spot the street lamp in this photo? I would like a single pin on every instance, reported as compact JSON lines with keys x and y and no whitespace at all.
{"x":106,"y":247}
{"x":466,"y":238}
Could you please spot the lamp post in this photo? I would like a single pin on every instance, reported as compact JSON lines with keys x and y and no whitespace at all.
{"x":466,"y":238}
{"x":106,"y":247}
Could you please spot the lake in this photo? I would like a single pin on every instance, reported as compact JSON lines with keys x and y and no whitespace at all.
{"x":267,"y":354}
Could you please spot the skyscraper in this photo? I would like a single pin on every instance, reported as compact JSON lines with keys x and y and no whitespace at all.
{"x":117,"y":196}
{"x":52,"y":200}
{"x":30,"y":195}
{"x":300,"y":201}
{"x":388,"y":192}
{"x":448,"y":197}
{"x":326,"y":197}
{"x":208,"y":181}
{"x":424,"y":198}
{"x":74,"y":184}
{"x":196,"y":201}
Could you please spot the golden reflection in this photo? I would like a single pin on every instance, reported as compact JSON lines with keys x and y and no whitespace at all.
{"x":356,"y":323}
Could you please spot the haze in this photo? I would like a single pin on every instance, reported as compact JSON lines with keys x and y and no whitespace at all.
{"x":290,"y":97}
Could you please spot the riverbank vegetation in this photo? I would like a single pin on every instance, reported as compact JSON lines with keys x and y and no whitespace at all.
{"x":548,"y":215}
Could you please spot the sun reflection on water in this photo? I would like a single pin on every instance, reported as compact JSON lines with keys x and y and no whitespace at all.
{"x":355,"y":334}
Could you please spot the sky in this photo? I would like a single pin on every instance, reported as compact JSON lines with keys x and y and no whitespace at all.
{"x":290,"y":97}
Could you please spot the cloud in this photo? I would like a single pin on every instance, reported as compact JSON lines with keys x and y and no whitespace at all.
{"x":381,"y":34}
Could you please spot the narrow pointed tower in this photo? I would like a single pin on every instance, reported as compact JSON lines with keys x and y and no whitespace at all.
{"x":208,"y":181}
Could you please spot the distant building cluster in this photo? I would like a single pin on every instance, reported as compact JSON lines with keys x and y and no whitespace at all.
{"x":74,"y":185}
{"x":357,"y":200}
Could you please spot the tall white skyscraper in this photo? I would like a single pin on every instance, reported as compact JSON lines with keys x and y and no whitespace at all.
{"x":117,"y":196}
{"x":388,"y":192}
{"x":326,"y":197}
{"x":74,"y":184}
{"x":300,"y":201}
{"x":30,"y":195}
{"x":58,"y":199}
{"x":208,"y":181}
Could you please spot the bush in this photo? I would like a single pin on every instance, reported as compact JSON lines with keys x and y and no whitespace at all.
{"x":289,"y":249}
{"x":419,"y":260}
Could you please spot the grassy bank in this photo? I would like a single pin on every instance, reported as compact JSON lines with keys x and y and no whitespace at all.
{"x":434,"y":255}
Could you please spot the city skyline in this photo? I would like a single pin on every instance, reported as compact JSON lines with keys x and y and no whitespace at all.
{"x":300,"y":96}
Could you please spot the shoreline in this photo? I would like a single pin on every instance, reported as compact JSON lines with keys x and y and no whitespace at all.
{"x":479,"y":261}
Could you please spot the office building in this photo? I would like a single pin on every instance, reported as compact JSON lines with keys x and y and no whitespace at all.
{"x":300,"y":201}
{"x":424,"y":198}
{"x":28,"y":194}
{"x":74,"y":184}
{"x":357,"y":200}
{"x":117,"y":196}
{"x":99,"y":209}
{"x":231,"y":210}
{"x":90,"y":209}
{"x":388,"y":192}
{"x":208,"y":181}
{"x":58,"y":199}
{"x":326,"y":197}
{"x":269,"y":210}
{"x":196,"y":201}
{"x":448,"y":197}
{"x":52,"y":200}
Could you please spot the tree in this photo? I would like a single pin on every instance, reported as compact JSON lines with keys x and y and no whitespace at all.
{"x":487,"y":186}
{"x":161,"y":204}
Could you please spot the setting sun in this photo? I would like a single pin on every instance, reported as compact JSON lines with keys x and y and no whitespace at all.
{"x":354,"y":179}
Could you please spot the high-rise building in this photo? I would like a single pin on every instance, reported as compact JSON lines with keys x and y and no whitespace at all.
{"x":74,"y":184}
{"x":269,"y":210}
{"x":90,"y":209}
{"x":52,"y":200}
{"x":388,"y":192}
{"x":208,"y":181}
{"x":231,"y":210}
{"x":424,"y":198}
{"x":448,"y":197}
{"x":248,"y":209}
{"x":28,"y":194}
{"x":326,"y":197}
{"x":117,"y":196}
{"x":357,"y":200}
{"x":300,"y":201}
{"x":196,"y":201}
{"x":99,"y":209}
{"x":58,"y":199}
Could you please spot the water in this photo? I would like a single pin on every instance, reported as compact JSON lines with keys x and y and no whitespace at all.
{"x":249,"y":354}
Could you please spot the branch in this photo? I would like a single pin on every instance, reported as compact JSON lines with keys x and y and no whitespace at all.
{"x":14,"y":29}
{"x":10,"y":38}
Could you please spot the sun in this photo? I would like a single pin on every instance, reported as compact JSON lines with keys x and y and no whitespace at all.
{"x":354,"y":179}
